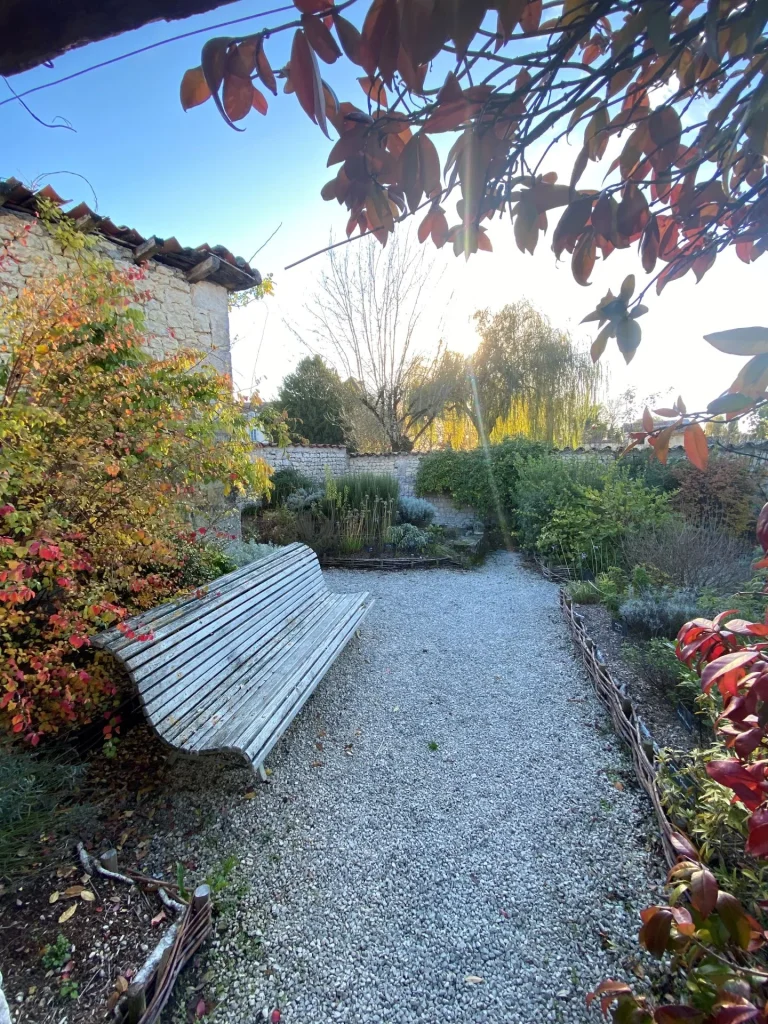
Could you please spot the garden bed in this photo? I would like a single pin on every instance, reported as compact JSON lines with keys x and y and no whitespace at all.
{"x":73,"y":942}
{"x":657,"y":709}
{"x":626,"y":717}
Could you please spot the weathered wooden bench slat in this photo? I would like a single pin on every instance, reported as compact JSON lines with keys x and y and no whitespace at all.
{"x":241,"y":622}
{"x":173,"y":628}
{"x":230,"y":667}
{"x":296,"y":665}
{"x":253,"y":681}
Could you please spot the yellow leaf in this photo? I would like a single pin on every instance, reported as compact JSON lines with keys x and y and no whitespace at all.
{"x":87,"y":895}
{"x":53,"y":897}
{"x":69,"y":912}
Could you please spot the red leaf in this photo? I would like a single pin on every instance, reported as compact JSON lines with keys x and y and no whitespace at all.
{"x":259,"y":101}
{"x":305,"y":77}
{"x":695,"y":441}
{"x":647,"y":420}
{"x":726,"y":664}
{"x":530,"y":19}
{"x":380,"y":42}
{"x":194,"y":89}
{"x":201,"y":1009}
{"x":237,"y":96}
{"x":264,"y":68}
{"x":656,"y":931}
{"x":730,"y":773}
{"x":704,"y":890}
{"x":320,"y":38}
{"x":677,"y":1012}
{"x":735,"y":1013}
{"x":349,"y":37}
{"x":683,"y":846}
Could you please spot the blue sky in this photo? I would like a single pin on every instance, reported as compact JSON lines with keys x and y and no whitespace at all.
{"x":165,"y":172}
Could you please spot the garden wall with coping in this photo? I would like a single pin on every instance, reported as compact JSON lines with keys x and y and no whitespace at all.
{"x":316,"y":460}
{"x":179,"y":315}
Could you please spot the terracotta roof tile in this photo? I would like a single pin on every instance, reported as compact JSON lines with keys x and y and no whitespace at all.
{"x":231,"y":272}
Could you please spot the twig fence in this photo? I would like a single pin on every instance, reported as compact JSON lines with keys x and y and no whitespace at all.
{"x":626,"y":721}
{"x":151,"y":987}
{"x":329,"y":562}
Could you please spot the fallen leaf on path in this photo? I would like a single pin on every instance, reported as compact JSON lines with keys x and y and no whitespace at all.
{"x":67,"y":913}
{"x":473,"y":979}
{"x":53,"y":897}
{"x":73,"y":890}
{"x":87,"y":895}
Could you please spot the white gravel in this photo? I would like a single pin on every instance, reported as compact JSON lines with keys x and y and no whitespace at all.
{"x":496,"y":878}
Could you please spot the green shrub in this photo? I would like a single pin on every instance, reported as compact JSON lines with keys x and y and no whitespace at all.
{"x":577,"y":512}
{"x":276,"y":526}
{"x":583,"y":592}
{"x":715,"y":822}
{"x":485,"y":479}
{"x":642,"y":464}
{"x":656,"y":661}
{"x":409,"y":538}
{"x":416,"y":511}
{"x":302,"y":499}
{"x":243,"y":552}
{"x":612,"y":587}
{"x":358,"y":490}
{"x":659,"y":613}
{"x":39,"y":797}
{"x":285,"y":482}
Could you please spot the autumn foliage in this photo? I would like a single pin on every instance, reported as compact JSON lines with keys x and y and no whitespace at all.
{"x":671,"y":93}
{"x":101,"y":449}
{"x":712,"y":936}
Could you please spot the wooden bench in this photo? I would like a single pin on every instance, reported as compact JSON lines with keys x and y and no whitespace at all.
{"x":231,"y":667}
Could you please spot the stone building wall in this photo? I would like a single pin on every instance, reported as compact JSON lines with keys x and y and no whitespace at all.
{"x":179,"y":314}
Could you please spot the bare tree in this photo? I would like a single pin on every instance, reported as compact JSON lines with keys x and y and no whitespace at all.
{"x":364,"y":318}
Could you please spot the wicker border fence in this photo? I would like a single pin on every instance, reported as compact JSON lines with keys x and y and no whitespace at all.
{"x":628,"y":725}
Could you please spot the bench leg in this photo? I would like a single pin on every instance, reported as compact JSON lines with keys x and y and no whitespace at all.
{"x":262,"y":773}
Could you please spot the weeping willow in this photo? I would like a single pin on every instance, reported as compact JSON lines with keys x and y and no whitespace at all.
{"x":525,"y":378}
{"x":562,"y":390}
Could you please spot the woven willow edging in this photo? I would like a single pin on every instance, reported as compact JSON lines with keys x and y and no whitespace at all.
{"x":329,"y":562}
{"x":625,"y":720}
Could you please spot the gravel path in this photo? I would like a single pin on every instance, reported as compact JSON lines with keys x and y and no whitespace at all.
{"x":450,"y":832}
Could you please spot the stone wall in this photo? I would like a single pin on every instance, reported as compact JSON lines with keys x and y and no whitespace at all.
{"x":404,"y":466}
{"x":311,"y":460}
{"x":315,"y":461}
{"x":179,"y":314}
